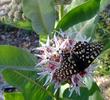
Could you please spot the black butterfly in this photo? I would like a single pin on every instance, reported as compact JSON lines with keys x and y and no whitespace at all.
{"x":9,"y":89}
{"x":80,"y":57}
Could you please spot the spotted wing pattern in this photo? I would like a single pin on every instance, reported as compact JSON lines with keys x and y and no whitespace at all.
{"x":80,"y":57}
{"x":87,"y":52}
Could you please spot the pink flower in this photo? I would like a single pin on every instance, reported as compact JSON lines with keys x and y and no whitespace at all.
{"x":67,"y":60}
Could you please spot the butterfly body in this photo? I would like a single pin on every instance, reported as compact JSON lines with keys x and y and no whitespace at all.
{"x":77,"y":60}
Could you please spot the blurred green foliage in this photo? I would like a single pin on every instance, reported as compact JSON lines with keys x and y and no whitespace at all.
{"x":103,"y":64}
{"x":102,"y":33}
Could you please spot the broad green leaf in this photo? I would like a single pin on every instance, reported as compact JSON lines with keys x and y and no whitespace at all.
{"x":83,"y":96}
{"x":86,"y":28}
{"x":96,"y":96}
{"x":41,"y":13}
{"x":20,"y":72}
{"x":103,"y":4}
{"x":74,"y":4}
{"x":16,"y":58}
{"x":25,"y":81}
{"x":81,"y":13}
{"x":14,"y":96}
{"x":91,"y":92}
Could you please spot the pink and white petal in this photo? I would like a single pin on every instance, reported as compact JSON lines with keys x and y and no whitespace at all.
{"x":77,"y":90}
{"x":48,"y":41}
{"x":71,"y":91}
{"x":40,"y":56}
{"x":42,"y":62}
{"x":56,"y":41}
{"x":56,"y":87}
{"x":43,"y":73}
{"x":40,"y":48}
{"x":74,"y":88}
{"x":47,"y":80}
{"x":63,"y":45}
{"x":55,"y":63}
{"x":42,"y":44}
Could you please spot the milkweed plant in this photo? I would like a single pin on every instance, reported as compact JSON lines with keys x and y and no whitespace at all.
{"x":70,"y":43}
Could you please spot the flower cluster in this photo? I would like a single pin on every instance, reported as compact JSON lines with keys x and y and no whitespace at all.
{"x":61,"y":59}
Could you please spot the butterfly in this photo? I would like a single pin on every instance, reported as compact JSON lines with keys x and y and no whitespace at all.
{"x":80,"y":57}
{"x":9,"y":89}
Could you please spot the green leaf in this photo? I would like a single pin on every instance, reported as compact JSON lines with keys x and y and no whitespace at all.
{"x":16,"y":58}
{"x":86,"y":93}
{"x":14,"y":96}
{"x":86,"y":28}
{"x":81,"y":13}
{"x":83,"y":96}
{"x":74,"y":4}
{"x":25,"y":81}
{"x":41,"y":13}
{"x":103,"y":4}
{"x":96,"y":96}
{"x":12,"y":59}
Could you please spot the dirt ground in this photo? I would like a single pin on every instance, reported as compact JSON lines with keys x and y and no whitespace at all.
{"x":104,"y":84}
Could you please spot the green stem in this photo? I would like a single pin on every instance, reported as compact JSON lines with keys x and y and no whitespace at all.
{"x":61,"y":11}
{"x":57,"y":94}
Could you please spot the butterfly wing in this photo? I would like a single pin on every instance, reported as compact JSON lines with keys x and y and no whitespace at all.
{"x":81,"y":56}
{"x":87,"y":52}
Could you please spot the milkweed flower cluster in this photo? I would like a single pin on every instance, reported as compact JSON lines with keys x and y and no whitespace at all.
{"x":66,"y":60}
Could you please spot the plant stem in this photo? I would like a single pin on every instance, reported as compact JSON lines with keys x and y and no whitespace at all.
{"x":61,"y":11}
{"x":57,"y":94}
